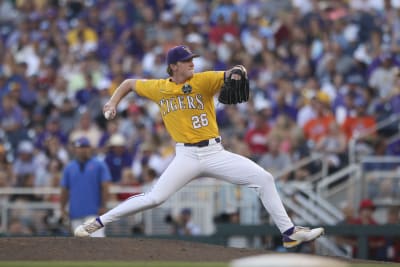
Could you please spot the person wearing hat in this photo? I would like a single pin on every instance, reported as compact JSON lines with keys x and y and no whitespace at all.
{"x":186,"y":102}
{"x":117,"y":156}
{"x":84,"y":186}
{"x":317,"y":127}
{"x":25,"y":169}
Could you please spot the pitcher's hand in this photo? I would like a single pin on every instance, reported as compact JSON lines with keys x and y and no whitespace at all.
{"x":109,"y":111}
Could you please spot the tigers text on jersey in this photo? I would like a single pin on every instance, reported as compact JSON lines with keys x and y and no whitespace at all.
{"x":187,"y":109}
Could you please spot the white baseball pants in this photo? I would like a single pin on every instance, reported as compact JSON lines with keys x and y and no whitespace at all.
{"x":210,"y":161}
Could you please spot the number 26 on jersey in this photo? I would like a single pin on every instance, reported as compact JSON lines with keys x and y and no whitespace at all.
{"x":199,"y":121}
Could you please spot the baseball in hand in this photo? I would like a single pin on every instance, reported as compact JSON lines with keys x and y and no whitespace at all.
{"x":108,"y":114}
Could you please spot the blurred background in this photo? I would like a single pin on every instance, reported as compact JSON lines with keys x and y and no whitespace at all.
{"x":323,"y":116}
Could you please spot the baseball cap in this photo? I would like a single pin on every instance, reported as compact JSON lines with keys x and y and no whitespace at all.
{"x":323,"y":97}
{"x":117,"y":140}
{"x":179,"y":53}
{"x":25,"y":147}
{"x":82,"y":142}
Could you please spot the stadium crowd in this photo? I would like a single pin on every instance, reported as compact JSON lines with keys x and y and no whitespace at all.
{"x":321,"y":73}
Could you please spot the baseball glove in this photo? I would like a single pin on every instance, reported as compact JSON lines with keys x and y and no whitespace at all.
{"x":235,"y":91}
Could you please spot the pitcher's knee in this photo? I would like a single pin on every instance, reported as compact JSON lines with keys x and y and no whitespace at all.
{"x":262,"y":179}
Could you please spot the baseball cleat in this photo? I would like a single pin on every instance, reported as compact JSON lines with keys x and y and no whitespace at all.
{"x":301,"y":235}
{"x":88,"y":227}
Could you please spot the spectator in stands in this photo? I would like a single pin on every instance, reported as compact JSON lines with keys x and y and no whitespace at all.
{"x":68,"y":115}
{"x":52,"y":130}
{"x":82,"y":39}
{"x":25,"y":167}
{"x":257,"y":135}
{"x":318,"y":127}
{"x":88,"y":92}
{"x":53,"y":149}
{"x":117,"y":156}
{"x":383,"y":77}
{"x":86,"y":127}
{"x":130,"y":126}
{"x":12,"y":120}
{"x":58,"y":93}
{"x":285,"y":100}
{"x":111,"y":128}
{"x":362,"y":127}
{"x":344,"y":103}
{"x":284,"y":127}
{"x":275,"y":160}
{"x":184,"y":225}
{"x":106,"y":44}
{"x":149,"y":157}
{"x":308,"y":102}
{"x":51,"y":175}
{"x":361,"y":123}
{"x":18,"y":81}
{"x":84,"y":185}
{"x":221,"y":27}
{"x":333,"y":147}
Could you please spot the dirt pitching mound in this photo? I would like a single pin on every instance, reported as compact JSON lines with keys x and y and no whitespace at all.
{"x":115,"y":249}
{"x":121,"y":249}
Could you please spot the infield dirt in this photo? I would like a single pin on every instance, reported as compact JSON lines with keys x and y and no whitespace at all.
{"x":120,"y":249}
{"x":114,"y":249}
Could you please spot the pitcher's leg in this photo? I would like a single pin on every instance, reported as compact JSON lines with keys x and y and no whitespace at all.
{"x":180,"y":171}
{"x":239,"y":170}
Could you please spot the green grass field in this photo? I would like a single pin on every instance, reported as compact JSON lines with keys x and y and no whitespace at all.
{"x":134,"y":264}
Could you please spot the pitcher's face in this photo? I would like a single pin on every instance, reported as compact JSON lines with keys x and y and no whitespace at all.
{"x":185,"y":68}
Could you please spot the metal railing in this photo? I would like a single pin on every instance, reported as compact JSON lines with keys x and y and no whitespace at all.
{"x":344,"y":185}
{"x":381,"y":171}
{"x":313,"y":158}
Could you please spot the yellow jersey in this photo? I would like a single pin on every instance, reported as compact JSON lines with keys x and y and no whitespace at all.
{"x":187,"y":109}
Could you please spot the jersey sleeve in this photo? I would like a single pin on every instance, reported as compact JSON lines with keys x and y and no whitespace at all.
{"x":149,"y":88}
{"x":212,"y":81}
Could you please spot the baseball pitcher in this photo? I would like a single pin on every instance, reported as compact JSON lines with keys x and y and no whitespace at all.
{"x":187,"y":108}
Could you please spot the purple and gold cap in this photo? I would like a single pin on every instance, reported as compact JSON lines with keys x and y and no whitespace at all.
{"x":179,"y":53}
